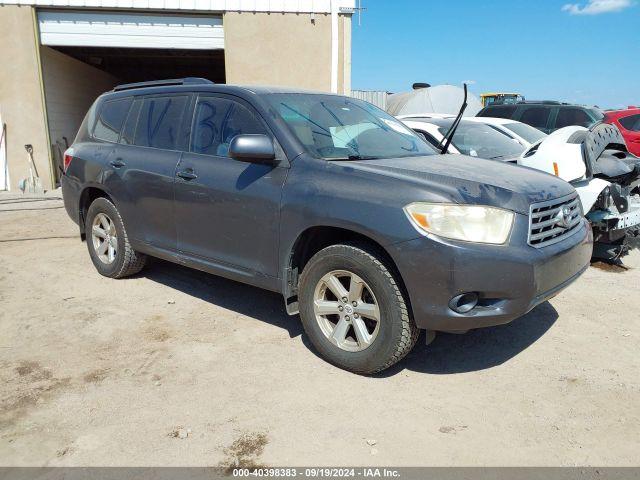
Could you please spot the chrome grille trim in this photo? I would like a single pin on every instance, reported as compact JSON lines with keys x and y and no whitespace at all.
{"x":544,"y":229}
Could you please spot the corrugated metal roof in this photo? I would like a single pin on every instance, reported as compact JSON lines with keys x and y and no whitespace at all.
{"x":287,"y":6}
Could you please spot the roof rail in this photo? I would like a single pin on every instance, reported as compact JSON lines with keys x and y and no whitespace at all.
{"x":163,"y":83}
{"x":543,"y":102}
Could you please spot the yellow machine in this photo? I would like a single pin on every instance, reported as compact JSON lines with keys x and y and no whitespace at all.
{"x":489,"y":98}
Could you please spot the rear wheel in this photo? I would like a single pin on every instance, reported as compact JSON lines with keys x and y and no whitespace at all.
{"x":353,"y":310}
{"x":107,"y":241}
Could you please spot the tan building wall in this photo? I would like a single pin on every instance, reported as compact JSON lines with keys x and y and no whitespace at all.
{"x":21,"y":99}
{"x":70,"y":87}
{"x":260,"y":48}
{"x":292,"y":50}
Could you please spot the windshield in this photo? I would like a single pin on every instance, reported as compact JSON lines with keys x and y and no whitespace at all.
{"x":530,"y":134}
{"x":480,"y":140}
{"x":341,"y":128}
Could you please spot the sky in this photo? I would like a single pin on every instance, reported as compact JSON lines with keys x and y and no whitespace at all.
{"x":579,"y":51}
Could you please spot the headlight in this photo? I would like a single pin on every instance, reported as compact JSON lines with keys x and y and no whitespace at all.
{"x":469,"y":223}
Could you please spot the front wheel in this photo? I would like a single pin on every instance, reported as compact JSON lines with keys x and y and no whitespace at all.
{"x":353,"y":310}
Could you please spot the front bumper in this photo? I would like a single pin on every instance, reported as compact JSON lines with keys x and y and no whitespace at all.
{"x":510,"y":279}
{"x":617,"y":221}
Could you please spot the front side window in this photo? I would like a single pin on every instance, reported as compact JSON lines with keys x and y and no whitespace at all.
{"x":631,"y":122}
{"x":216,"y":121}
{"x":160,"y":122}
{"x":573,"y":116}
{"x":429,"y":138}
{"x":341,"y":128}
{"x":110,"y":119}
{"x":536,"y":117}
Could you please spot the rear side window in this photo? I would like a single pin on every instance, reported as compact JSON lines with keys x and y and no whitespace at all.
{"x":631,"y":123}
{"x":217,"y":121}
{"x":573,"y":116}
{"x":84,"y":132}
{"x":536,"y":116}
{"x":498,"y":112}
{"x":160,"y":122}
{"x":110,"y":119}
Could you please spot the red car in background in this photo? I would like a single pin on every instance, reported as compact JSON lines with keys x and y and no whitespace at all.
{"x":628,"y":121}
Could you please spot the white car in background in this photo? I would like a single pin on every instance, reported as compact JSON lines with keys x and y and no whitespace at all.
{"x":472,"y":138}
{"x":524,"y":134}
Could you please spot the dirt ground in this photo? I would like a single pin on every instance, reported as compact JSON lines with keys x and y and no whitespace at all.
{"x":177,"y":367}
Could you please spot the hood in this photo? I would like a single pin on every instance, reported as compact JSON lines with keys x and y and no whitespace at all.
{"x":561,"y":152}
{"x":469,"y":180}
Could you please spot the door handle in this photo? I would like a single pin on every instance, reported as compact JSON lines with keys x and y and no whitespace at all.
{"x":187,"y":174}
{"x":117,"y":163}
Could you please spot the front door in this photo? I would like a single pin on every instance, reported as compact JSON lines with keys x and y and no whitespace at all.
{"x":227,"y":212}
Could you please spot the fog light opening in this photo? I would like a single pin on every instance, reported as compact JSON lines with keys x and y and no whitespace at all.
{"x":464,"y":303}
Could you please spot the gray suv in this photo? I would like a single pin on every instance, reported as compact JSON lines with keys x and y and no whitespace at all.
{"x":365,"y":230}
{"x":547,"y":116}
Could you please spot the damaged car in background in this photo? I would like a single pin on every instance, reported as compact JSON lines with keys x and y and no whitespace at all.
{"x":605,"y":175}
{"x":594,"y":160}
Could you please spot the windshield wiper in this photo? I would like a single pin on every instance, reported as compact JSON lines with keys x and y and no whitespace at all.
{"x":353,"y":157}
{"x":454,"y":126}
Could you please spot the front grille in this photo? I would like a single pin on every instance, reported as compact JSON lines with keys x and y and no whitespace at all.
{"x":546,"y":223}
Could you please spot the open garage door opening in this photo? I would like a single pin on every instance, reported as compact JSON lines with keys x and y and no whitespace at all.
{"x":145,"y":64}
{"x":84,"y":54}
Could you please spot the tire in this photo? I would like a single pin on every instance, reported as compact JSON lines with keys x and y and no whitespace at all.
{"x":393,"y":335}
{"x":125,"y":261}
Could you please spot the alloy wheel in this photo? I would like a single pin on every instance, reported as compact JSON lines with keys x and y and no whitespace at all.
{"x":104,"y":238}
{"x":346,"y":310}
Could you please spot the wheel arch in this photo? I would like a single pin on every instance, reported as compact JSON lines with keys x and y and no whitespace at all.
{"x":312,"y":240}
{"x":87,"y":196}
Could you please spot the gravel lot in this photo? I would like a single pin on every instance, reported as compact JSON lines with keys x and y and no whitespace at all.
{"x":177,"y":367}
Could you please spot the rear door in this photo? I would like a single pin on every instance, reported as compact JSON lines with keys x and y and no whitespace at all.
{"x":228,"y":212}
{"x":143,"y":167}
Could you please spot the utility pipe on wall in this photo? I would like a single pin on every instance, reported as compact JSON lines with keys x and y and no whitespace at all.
{"x":335,"y":6}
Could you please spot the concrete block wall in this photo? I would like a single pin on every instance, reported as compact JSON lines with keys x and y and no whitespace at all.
{"x":21,"y":98}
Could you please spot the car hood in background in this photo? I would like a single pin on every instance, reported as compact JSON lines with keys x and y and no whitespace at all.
{"x":469,"y":180}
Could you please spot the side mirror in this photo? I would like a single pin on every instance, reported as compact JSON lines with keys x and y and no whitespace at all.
{"x":252,"y":149}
